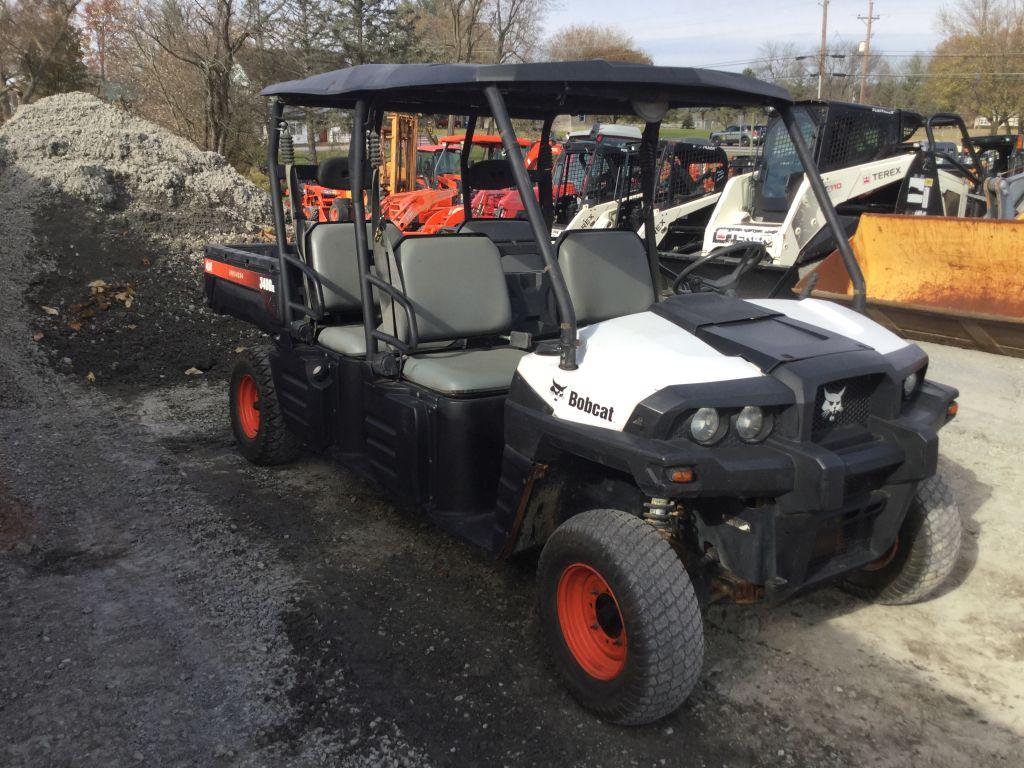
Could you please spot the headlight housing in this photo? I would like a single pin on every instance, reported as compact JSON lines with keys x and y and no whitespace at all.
{"x":910,"y":385}
{"x":705,"y":425}
{"x":750,"y":423}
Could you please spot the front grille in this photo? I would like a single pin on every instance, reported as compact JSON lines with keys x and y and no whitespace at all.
{"x":843,"y":534}
{"x":842,"y":403}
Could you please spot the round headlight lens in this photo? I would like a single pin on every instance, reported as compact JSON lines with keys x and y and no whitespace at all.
{"x":910,"y":385}
{"x":750,"y":423}
{"x":704,"y":425}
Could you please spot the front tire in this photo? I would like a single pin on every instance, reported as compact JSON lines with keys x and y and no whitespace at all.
{"x":620,"y":617}
{"x":925,"y":552}
{"x":256,"y":419}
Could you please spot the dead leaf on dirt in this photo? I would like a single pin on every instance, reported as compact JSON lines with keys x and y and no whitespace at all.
{"x":51,"y":311}
{"x":37,"y":336}
{"x":145,"y":261}
{"x":239,"y":350}
{"x":75,"y":325}
{"x":90,"y":377}
{"x":87,"y":313}
{"x":98,"y":286}
{"x":193,"y":372}
{"x":128,"y":303}
{"x":131,"y":326}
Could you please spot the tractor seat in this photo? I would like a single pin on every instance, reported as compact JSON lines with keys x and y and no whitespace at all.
{"x":457,"y":288}
{"x":347,"y":340}
{"x":606,"y":273}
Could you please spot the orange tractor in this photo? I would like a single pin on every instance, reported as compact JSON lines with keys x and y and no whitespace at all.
{"x":398,"y":172}
{"x":427,"y":211}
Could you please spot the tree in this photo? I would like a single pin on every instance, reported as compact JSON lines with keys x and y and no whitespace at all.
{"x":367,"y":31}
{"x":40,"y":48}
{"x":105,"y":26}
{"x":206,"y":35}
{"x":593,"y":41}
{"x":975,"y":64}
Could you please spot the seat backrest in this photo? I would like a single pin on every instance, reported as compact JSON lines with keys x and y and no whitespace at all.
{"x":331,"y":248}
{"x":454,"y":282}
{"x":515,"y":241}
{"x":606,"y":273}
{"x":500,"y":230}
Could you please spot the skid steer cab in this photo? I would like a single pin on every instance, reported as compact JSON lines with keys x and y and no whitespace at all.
{"x":664,"y":448}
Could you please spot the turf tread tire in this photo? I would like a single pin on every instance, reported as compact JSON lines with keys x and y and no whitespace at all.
{"x":664,"y":628}
{"x":935,"y":531}
{"x":274,"y":443}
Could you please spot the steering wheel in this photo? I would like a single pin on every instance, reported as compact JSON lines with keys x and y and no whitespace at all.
{"x":753,"y":254}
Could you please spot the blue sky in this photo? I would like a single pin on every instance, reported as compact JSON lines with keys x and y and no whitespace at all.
{"x":710,"y":32}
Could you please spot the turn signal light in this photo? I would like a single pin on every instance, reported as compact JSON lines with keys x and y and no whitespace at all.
{"x":951,"y":410}
{"x":681,"y":475}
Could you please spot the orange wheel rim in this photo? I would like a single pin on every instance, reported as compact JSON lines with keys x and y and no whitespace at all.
{"x":591,"y":622}
{"x":247,"y":399}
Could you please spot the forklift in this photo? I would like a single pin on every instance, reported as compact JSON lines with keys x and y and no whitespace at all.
{"x":663,"y":449}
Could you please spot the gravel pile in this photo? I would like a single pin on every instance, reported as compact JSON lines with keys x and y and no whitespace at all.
{"x":107,"y":215}
{"x":77,"y":146}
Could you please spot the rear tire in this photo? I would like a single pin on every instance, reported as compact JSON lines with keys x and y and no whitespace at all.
{"x":260,"y":430}
{"x":925,"y":553}
{"x":619,"y":616}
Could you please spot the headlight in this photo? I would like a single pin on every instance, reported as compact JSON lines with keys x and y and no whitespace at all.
{"x":750,"y":423}
{"x":704,"y":425}
{"x":910,"y":385}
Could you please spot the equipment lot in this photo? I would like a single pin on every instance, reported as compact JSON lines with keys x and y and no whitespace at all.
{"x":164,"y":602}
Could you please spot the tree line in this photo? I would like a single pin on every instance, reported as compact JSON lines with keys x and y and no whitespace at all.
{"x":196,"y":66}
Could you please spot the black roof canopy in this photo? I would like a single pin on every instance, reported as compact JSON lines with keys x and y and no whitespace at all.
{"x":530,"y":90}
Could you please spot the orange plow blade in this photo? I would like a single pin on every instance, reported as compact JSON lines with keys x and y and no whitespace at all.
{"x":953,"y":281}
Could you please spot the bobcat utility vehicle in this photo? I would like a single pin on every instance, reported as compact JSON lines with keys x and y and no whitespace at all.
{"x":665,"y":451}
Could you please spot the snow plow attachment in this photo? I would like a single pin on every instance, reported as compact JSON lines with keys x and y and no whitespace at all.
{"x":948,"y":280}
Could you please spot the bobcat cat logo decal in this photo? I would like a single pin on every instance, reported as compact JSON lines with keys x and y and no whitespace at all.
{"x":558,"y":390}
{"x":833,"y":404}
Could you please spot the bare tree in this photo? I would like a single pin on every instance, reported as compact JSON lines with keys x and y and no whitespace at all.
{"x":593,"y":41}
{"x":206,"y":35}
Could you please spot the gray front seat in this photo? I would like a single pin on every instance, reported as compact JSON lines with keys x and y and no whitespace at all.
{"x":333,"y":253}
{"x":606,"y":273}
{"x":457,"y":288}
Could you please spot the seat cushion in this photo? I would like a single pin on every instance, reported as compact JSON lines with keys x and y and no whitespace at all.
{"x":465,"y":371}
{"x":344,"y":339}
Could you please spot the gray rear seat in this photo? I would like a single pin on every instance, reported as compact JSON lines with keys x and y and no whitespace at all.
{"x":332,"y":252}
{"x":457,"y":288}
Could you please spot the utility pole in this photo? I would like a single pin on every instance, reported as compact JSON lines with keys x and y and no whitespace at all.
{"x":867,"y":49}
{"x":824,"y":45}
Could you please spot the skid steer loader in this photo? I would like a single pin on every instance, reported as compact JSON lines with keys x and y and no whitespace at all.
{"x":662,"y":452}
{"x":869,"y":166}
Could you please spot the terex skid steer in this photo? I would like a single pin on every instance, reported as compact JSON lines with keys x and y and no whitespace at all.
{"x":868,"y":166}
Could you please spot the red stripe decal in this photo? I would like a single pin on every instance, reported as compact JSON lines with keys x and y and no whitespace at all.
{"x":245,"y":277}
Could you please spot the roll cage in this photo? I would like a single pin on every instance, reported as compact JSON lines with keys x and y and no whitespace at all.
{"x":525,"y":91}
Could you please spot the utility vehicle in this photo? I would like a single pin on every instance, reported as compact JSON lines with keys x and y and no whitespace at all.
{"x":664,"y":450}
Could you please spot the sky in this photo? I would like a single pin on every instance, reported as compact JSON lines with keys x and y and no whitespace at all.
{"x":728,"y":32}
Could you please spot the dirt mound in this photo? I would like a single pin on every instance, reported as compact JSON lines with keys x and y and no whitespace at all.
{"x":101,"y":198}
{"x":76,"y":145}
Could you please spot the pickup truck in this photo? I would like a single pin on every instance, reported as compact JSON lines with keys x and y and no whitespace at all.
{"x":734,"y":134}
